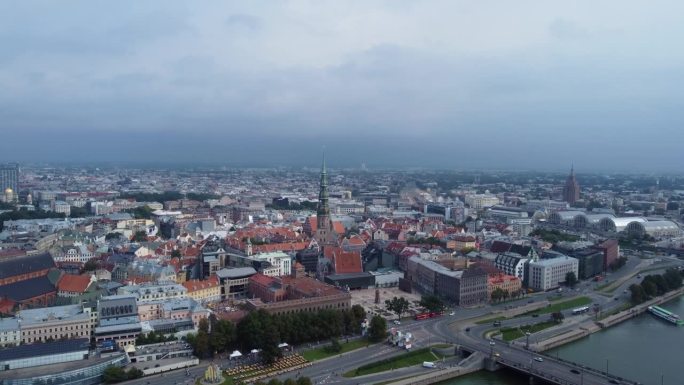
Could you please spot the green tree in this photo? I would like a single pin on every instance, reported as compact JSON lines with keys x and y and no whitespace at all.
{"x":570,"y":279}
{"x":139,"y":236}
{"x":432,"y":303}
{"x":290,"y":381}
{"x":222,"y":336}
{"x":638,"y":294}
{"x":113,"y":374}
{"x":663,"y":287}
{"x":275,"y":381}
{"x":270,"y":352}
{"x":134,"y":373}
{"x":377,"y":330}
{"x":304,"y":381}
{"x":90,"y":265}
{"x":111,"y":236}
{"x":557,"y":317}
{"x":334,"y":346}
{"x":78,"y":212}
{"x":673,"y":278}
{"x":650,"y":288}
{"x":497,"y":294}
{"x":141,"y":212}
{"x":398,"y":305}
{"x":204,"y":325}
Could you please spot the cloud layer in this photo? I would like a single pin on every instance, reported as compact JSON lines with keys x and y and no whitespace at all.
{"x":526,"y":84}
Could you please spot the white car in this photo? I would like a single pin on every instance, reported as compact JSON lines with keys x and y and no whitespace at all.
{"x":452,"y":313}
{"x":538,"y":359}
{"x":397,"y":322}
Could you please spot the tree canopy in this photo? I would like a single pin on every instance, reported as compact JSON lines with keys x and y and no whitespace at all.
{"x":377,"y":331}
{"x":398,"y":305}
{"x":432,"y":303}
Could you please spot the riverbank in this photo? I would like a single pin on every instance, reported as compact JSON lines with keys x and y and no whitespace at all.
{"x":588,"y":327}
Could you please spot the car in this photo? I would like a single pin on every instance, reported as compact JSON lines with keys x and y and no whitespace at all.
{"x":575,"y":371}
{"x":613,"y":381}
{"x":497,"y":323}
{"x":538,"y":359}
{"x":616,"y":298}
{"x":397,"y":322}
{"x":530,"y":301}
{"x":535,"y":315}
{"x":497,"y":355}
{"x":638,"y":275}
{"x":452,"y":313}
{"x":467,"y":329}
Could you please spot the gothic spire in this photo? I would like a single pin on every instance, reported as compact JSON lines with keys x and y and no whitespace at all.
{"x":323,"y":208}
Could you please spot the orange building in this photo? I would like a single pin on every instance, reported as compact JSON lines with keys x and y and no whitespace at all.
{"x":509,"y":283}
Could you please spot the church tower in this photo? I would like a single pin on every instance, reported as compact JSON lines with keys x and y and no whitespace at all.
{"x":325,"y":234}
{"x":571,"y":190}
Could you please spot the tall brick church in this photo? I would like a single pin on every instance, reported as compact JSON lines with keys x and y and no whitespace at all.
{"x":325,"y":235}
{"x":571,"y":190}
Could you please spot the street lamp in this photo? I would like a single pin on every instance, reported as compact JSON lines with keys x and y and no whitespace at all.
{"x":491,"y":349}
{"x":607,"y":365}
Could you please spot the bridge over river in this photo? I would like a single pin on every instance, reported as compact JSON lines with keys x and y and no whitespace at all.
{"x":540,"y":366}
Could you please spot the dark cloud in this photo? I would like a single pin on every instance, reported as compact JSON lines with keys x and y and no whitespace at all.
{"x":443,"y":84}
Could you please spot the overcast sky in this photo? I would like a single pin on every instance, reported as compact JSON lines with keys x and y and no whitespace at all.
{"x":449,"y":84}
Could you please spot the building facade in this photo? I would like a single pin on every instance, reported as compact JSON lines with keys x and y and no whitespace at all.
{"x":53,"y":323}
{"x":547,"y":274}
{"x":508,"y":283}
{"x":9,"y":177}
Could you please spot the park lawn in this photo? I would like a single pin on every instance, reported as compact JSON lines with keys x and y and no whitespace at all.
{"x":490,"y":320}
{"x":510,"y":334}
{"x":560,"y":306}
{"x":320,"y":353}
{"x":408,"y":359}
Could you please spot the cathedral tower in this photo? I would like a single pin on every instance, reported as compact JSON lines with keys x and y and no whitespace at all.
{"x":571,"y":190}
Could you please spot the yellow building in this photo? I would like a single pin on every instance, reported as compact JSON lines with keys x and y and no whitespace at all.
{"x":204,"y":291}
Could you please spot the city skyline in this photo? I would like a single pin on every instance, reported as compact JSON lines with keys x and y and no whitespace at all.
{"x":439,"y":84}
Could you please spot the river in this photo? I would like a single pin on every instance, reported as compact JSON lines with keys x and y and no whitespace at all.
{"x":644,"y":349}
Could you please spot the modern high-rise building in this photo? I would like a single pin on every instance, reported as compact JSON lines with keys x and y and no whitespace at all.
{"x":9,"y":177}
{"x":571,"y":190}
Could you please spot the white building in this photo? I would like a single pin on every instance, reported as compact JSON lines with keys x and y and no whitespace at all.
{"x":511,"y":264}
{"x":279,"y":260}
{"x":10,"y":334}
{"x":481,"y":201}
{"x":546,"y":274}
{"x":154,"y":292}
{"x":61,"y":207}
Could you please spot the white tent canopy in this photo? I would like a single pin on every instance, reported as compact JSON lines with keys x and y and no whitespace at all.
{"x":283,"y":345}
{"x":255,"y":351}
{"x":235,"y":354}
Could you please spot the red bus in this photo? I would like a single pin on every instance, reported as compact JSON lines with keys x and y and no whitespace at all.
{"x":421,"y":316}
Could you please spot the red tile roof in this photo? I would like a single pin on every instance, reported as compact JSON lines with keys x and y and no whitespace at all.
{"x":346,"y":262}
{"x":195,"y":284}
{"x":73,"y":283}
{"x":262,"y":280}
